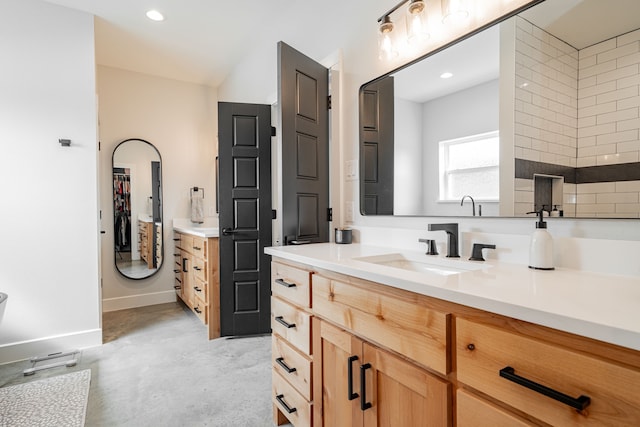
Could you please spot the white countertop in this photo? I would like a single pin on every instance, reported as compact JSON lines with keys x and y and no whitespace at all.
{"x":598,"y":306}
{"x":209,"y":228}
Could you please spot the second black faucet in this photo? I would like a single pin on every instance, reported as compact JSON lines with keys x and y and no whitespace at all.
{"x":452,"y":233}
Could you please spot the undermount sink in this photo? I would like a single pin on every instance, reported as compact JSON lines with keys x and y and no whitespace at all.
{"x":423,"y":263}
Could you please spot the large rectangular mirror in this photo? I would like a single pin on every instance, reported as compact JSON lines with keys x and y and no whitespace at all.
{"x":541,"y":111}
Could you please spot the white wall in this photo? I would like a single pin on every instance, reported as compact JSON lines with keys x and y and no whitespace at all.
{"x":49,"y":216}
{"x":353,"y":32}
{"x":468,"y":112}
{"x":180,"y":120}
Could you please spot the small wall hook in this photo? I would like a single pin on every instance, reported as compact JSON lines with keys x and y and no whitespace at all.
{"x":65,"y":142}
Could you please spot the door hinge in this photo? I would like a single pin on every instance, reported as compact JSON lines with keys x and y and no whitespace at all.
{"x":99,"y":146}
{"x":273,"y":131}
{"x":274,"y":214}
{"x":330,"y":214}
{"x":329,"y":102}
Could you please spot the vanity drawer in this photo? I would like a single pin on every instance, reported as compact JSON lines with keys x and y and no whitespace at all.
{"x":290,"y":403}
{"x":199,"y":247}
{"x":186,"y":242}
{"x":292,"y":366}
{"x":290,"y":283}
{"x":400,"y":321}
{"x":292,"y":324}
{"x":201,"y":290}
{"x":200,"y":309}
{"x":473,"y":411}
{"x":483,"y":353}
{"x":199,"y":269}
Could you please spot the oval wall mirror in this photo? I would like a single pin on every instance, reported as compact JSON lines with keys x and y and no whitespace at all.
{"x":137,"y":208}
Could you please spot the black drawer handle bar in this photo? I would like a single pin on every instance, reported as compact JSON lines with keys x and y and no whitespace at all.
{"x":285,"y":284}
{"x":350,"y":392}
{"x":280,"y":361}
{"x":579,"y":403}
{"x":197,"y":289}
{"x":364,"y":405}
{"x":284,"y":323}
{"x":176,"y":287}
{"x":280,"y":399}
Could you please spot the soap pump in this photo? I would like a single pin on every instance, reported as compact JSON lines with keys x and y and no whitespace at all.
{"x":541,"y":246}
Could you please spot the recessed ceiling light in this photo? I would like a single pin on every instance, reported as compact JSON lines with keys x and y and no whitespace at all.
{"x":446,"y":75}
{"x":154,"y":15}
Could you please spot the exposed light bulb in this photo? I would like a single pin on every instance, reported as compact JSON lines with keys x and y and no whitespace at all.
{"x":417,"y":22}
{"x":154,"y":15}
{"x":454,"y":11}
{"x":386,"y":48}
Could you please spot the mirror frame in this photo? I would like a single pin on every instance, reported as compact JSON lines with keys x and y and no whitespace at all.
{"x":157,"y":269}
{"x":402,"y":67}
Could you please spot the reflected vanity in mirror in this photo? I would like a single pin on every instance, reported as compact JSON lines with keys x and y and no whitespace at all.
{"x":137,"y":208}
{"x":539,"y":111}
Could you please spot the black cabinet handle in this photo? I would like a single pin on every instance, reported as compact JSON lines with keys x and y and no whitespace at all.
{"x":176,"y":287}
{"x":285,"y":284}
{"x":177,"y":239}
{"x":176,"y":271}
{"x":176,"y":254}
{"x":350,"y":392}
{"x":197,"y":248}
{"x":228,"y":231}
{"x":184,"y":265}
{"x":578,"y":403}
{"x":197,"y":310}
{"x":280,"y":399}
{"x":364,"y":405}
{"x":197,"y":268}
{"x":178,"y":280}
{"x":280,"y":361}
{"x":281,"y":320}
{"x":197,"y":289}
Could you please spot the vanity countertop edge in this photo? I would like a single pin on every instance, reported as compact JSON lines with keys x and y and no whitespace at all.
{"x":598,"y":306}
{"x":200,"y":232}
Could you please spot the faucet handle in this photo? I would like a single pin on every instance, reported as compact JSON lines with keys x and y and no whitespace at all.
{"x":476,"y":252}
{"x":431,"y":246}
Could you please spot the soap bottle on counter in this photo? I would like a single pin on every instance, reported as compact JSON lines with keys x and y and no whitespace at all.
{"x":541,"y":246}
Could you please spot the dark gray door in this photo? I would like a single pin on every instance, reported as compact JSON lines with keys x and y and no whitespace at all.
{"x":376,"y":152}
{"x":303,"y":89}
{"x":244,"y":138}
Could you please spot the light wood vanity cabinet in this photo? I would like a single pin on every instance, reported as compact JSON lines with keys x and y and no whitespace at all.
{"x":145,"y":242}
{"x":197,"y":277}
{"x":291,"y":344}
{"x":359,"y":384}
{"x":424,"y":361}
{"x":552,"y":383}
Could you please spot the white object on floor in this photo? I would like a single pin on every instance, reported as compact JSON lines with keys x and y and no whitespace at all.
{"x":69,"y":362}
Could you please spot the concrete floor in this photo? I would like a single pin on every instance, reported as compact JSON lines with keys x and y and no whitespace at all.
{"x":157,"y":368}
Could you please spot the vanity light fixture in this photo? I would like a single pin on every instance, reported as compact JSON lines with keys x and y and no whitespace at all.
{"x":417,"y":22}
{"x":386,"y":47}
{"x":454,"y":11}
{"x":154,"y":15}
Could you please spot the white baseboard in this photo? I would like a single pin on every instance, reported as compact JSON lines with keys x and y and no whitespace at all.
{"x":43,"y":346}
{"x":141,"y":300}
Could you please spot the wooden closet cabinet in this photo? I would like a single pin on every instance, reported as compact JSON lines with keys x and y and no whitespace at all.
{"x":359,"y":384}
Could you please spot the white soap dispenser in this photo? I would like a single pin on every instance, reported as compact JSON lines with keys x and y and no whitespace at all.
{"x":541,"y":246}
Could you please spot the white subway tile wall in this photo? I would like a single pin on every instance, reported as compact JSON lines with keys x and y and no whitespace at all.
{"x":547,"y":91}
{"x":579,"y":109}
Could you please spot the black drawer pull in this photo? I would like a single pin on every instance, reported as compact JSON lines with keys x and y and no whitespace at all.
{"x":184,"y":265}
{"x":280,"y":361}
{"x":197,"y":248}
{"x":177,"y":239}
{"x":280,"y":399}
{"x":197,"y":310}
{"x":197,"y":268}
{"x":197,"y":289}
{"x":579,"y":403}
{"x":281,"y":320}
{"x":176,"y":254}
{"x":178,"y":280}
{"x":176,"y":271}
{"x":350,"y":392}
{"x":364,"y":405}
{"x":176,"y":287}
{"x":285,"y":284}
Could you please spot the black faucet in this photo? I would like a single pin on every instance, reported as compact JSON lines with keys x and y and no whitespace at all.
{"x":452,"y":233}
{"x":473,"y":203}
{"x":476,"y":253}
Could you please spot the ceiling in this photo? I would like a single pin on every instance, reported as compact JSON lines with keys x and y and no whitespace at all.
{"x":201,"y":41}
